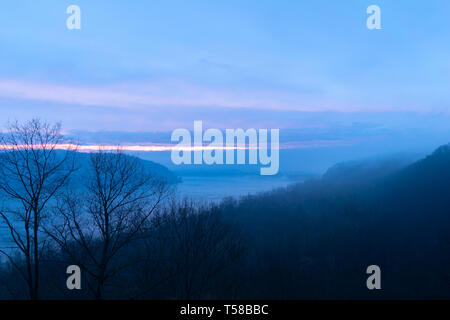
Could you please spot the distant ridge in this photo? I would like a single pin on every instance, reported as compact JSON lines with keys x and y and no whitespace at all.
{"x":422,"y":187}
{"x":365,"y":171}
{"x":154,"y":168}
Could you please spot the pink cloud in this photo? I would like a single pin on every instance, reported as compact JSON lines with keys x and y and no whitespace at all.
{"x":178,"y":94}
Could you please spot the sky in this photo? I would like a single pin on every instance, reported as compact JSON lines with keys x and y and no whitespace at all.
{"x":154,"y":66}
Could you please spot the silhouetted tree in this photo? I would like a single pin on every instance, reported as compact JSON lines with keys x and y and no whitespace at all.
{"x":197,"y":245}
{"x":32,"y":171}
{"x":101,"y":219}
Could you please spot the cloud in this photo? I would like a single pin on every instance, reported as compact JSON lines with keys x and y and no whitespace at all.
{"x":140,"y":95}
{"x":165,"y":94}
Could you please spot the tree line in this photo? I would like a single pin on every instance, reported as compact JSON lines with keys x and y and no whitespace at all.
{"x":54,"y":216}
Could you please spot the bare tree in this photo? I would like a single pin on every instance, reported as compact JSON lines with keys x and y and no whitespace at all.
{"x":32,"y":171}
{"x":195,"y":245}
{"x":118,"y":197}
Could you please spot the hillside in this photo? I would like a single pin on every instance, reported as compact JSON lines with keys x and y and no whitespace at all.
{"x":316,"y":238}
{"x":156,"y":169}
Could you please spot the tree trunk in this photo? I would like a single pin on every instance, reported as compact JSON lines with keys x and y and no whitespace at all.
{"x":30,"y":275}
{"x":36,"y":257}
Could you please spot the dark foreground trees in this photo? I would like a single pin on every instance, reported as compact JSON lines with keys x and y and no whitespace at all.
{"x":95,"y":222}
{"x":185,"y":251}
{"x":188,"y":252}
{"x":110,"y":218}
{"x":32,"y":171}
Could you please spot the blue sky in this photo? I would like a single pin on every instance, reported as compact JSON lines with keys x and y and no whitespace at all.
{"x":159,"y":65}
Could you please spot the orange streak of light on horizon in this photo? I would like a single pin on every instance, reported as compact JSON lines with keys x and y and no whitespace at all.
{"x":87,"y":148}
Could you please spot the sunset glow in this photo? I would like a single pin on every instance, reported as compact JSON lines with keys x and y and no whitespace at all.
{"x":169,"y":147}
